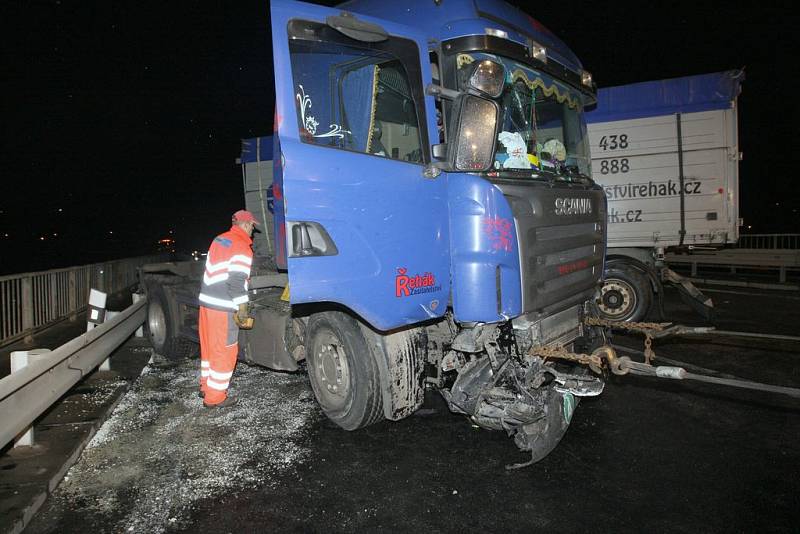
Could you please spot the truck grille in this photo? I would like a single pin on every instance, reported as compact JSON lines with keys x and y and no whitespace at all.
{"x":561,"y":256}
{"x":559,"y":262}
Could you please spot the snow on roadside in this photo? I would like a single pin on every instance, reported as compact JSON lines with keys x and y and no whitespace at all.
{"x":161,"y":450}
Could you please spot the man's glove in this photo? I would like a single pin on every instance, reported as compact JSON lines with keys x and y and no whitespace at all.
{"x":242,"y":317}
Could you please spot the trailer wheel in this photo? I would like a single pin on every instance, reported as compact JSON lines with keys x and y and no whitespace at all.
{"x":625,"y":295}
{"x":161,"y":327}
{"x":343,"y":373}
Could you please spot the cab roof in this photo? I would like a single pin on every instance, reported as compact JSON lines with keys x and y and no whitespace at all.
{"x":450,"y":19}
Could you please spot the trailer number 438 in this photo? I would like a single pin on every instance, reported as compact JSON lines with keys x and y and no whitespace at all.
{"x":613,"y":142}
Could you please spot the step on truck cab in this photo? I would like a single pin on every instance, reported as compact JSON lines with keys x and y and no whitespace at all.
{"x":431,"y":216}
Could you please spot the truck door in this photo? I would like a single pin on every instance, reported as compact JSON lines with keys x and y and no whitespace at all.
{"x":364,"y":227}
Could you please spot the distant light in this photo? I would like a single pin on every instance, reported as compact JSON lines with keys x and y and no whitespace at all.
{"x":111,"y":231}
{"x":749,"y":227}
{"x":41,"y":238}
{"x":60,"y":210}
{"x":586,"y":78}
{"x":55,"y":234}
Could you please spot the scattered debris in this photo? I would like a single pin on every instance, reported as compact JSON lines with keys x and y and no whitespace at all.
{"x":161,"y":451}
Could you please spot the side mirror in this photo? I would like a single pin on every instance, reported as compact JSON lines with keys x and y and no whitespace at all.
{"x":471,"y":147}
{"x":488,"y":77}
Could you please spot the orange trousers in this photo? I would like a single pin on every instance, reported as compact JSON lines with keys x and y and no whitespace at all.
{"x":219,"y":347}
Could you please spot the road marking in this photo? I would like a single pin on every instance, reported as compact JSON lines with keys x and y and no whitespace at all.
{"x":732,"y":292}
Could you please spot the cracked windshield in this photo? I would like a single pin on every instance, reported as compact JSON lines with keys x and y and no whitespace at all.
{"x":541,"y":123}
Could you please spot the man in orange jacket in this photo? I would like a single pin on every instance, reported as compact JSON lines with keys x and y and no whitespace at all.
{"x":223,"y":308}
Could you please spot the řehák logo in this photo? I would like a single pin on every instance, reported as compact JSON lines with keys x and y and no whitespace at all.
{"x":405,"y":285}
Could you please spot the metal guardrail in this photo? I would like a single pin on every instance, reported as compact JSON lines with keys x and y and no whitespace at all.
{"x":769,"y":241}
{"x":733,"y":259}
{"x":26,"y":394}
{"x":33,"y":301}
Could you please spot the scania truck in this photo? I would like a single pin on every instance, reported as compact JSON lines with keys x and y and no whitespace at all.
{"x":431,"y":217}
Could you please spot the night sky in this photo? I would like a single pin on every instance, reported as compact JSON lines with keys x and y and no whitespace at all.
{"x":122,"y":120}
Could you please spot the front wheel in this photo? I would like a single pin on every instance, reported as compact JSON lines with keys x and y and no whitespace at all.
{"x":344,"y":374}
{"x":625,"y":295}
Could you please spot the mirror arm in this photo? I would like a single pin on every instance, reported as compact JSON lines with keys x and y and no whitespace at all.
{"x":440,"y":92}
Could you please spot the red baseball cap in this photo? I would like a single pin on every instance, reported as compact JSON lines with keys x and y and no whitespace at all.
{"x":244,"y":216}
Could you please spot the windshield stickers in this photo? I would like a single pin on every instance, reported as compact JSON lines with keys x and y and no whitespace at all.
{"x":310,"y":123}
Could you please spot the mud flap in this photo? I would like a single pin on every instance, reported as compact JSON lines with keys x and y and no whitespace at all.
{"x":692,"y":296}
{"x":401,"y":363}
{"x":265,"y":344}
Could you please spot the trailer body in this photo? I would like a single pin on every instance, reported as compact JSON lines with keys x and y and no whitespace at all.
{"x":667,"y":154}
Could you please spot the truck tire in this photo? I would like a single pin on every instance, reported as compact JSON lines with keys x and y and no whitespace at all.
{"x":161,"y":326}
{"x":344,"y":375}
{"x":625,"y":295}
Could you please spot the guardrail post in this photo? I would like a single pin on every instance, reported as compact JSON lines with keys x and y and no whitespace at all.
{"x":19,"y":360}
{"x":106,"y":365}
{"x":27,"y":307}
{"x":96,"y":314}
{"x":72,"y":296}
{"x":694,"y":268}
{"x":52,"y":306}
{"x":782,"y":274}
{"x":136,"y":298}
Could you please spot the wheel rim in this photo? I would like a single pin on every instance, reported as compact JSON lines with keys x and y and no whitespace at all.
{"x":617,"y":299}
{"x":331,"y":371}
{"x":157,"y":324}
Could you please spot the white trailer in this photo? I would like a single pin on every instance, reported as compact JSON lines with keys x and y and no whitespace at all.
{"x":667,"y":154}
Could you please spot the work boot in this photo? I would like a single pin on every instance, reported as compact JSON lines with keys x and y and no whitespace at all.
{"x":230,"y":401}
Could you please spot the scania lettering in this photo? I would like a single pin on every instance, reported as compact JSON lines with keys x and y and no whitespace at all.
{"x":430,"y":217}
{"x":572,"y":206}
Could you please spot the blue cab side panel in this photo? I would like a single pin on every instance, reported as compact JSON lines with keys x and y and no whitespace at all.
{"x":484,"y":251}
{"x":388,"y":222}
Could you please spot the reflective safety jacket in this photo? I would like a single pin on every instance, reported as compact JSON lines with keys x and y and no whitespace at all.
{"x":227,"y":271}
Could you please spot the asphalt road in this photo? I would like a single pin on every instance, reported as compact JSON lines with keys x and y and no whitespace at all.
{"x":646,"y":455}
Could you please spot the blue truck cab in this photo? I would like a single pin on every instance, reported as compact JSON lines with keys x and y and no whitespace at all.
{"x":431,"y":220}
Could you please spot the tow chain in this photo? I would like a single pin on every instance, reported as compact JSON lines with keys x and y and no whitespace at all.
{"x":648,"y":329}
{"x":622,"y":365}
{"x":594,"y":361}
